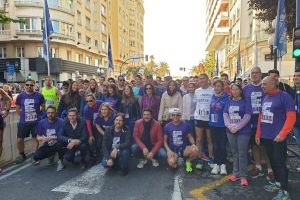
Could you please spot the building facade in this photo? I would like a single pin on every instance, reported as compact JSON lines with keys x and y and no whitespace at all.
{"x":78,"y":45}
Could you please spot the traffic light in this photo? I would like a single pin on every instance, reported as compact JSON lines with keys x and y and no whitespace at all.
{"x":296,"y":43}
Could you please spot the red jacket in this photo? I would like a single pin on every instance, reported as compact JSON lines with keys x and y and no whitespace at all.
{"x":156,"y":135}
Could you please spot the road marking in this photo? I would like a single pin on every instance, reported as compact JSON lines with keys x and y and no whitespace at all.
{"x":199,"y":193}
{"x":14,"y":171}
{"x":176,"y":191}
{"x":90,"y":182}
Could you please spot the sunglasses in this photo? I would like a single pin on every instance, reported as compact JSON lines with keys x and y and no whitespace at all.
{"x":176,"y":115}
{"x":29,"y":85}
{"x":148,"y":88}
{"x":89,"y":101}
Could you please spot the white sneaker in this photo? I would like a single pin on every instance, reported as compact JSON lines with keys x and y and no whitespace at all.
{"x":60,"y":165}
{"x":155,"y":163}
{"x":141,"y":164}
{"x":216,"y":169}
{"x":223,"y":169}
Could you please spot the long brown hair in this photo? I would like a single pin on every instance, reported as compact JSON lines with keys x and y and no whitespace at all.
{"x":130,"y":98}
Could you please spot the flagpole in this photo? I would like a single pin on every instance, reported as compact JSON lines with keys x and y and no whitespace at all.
{"x":47,"y":40}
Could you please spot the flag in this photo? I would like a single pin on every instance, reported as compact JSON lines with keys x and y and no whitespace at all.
{"x":280,"y":30}
{"x":109,"y":54}
{"x":47,"y":31}
{"x":256,"y":52}
{"x":238,"y":62}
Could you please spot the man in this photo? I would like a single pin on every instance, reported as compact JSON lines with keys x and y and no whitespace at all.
{"x":5,"y":103}
{"x":101,"y":83}
{"x":29,"y":106}
{"x":296,"y":129}
{"x":65,"y":87}
{"x":148,"y":138}
{"x":254,"y":95}
{"x":184,"y":85}
{"x":225,"y":79}
{"x":202,"y":98}
{"x":179,"y":142}
{"x":121,"y":85}
{"x":282,"y":86}
{"x":138,"y":86}
{"x":47,"y":132}
{"x":239,"y":81}
{"x":275,"y":122}
{"x":73,"y":137}
{"x":50,"y":93}
{"x":91,"y":110}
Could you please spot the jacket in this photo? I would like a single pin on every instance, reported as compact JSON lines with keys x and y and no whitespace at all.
{"x":67,"y":132}
{"x":168,"y":102}
{"x":186,"y":107}
{"x":152,"y":102}
{"x":108,"y":141}
{"x":156,"y":135}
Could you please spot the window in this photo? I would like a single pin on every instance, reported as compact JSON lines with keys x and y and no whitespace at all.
{"x":39,"y":52}
{"x":55,"y":25}
{"x":88,"y":23}
{"x":103,"y":45}
{"x":103,"y":28}
{"x":87,"y":60}
{"x":30,"y":24}
{"x":20,"y":53}
{"x":79,"y":35}
{"x":88,"y":40}
{"x":78,"y":17}
{"x":78,"y":57}
{"x":2,"y":52}
{"x":96,"y":43}
{"x":103,"y":9}
{"x":69,"y":55}
{"x":54,"y":53}
{"x":96,"y":62}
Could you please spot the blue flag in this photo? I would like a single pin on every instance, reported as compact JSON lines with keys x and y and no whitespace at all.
{"x":109,"y":54}
{"x":280,"y":30}
{"x":47,"y":31}
{"x":217,"y":65}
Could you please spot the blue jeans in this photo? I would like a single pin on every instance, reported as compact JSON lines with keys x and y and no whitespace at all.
{"x":121,"y":161}
{"x":219,"y":140}
{"x":296,"y":131}
{"x":138,"y":153}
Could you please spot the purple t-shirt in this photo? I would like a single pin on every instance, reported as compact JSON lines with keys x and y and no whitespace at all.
{"x":254,"y":95}
{"x":91,"y":113}
{"x":30,"y":106}
{"x":274,"y":109}
{"x":236,"y":111}
{"x":104,"y":123}
{"x":46,"y":128}
{"x":177,"y":136}
{"x":217,"y":106}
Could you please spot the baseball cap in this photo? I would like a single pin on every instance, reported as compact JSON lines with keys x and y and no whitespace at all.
{"x":175,"y":111}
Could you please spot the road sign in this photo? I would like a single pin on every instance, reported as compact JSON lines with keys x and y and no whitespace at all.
{"x":10,"y":68}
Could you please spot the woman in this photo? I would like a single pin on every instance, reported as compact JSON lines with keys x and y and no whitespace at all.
{"x":217,"y":127}
{"x":150,"y":100}
{"x":237,"y":114}
{"x":130,"y":107}
{"x":93,"y":89}
{"x":72,"y":99}
{"x":170,"y":99}
{"x":112,"y":97}
{"x":189,"y":106}
{"x":105,"y":118}
{"x":116,"y":144}
{"x":5,"y":103}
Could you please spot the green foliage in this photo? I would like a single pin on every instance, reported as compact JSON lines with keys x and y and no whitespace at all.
{"x":268,"y":11}
{"x":209,"y":63}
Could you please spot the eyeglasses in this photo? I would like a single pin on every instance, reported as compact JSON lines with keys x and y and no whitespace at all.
{"x":148,"y":88}
{"x":29,"y":85}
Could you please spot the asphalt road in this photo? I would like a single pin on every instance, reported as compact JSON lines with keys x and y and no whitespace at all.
{"x":43,"y":182}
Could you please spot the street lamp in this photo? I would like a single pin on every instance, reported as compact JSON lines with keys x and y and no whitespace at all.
{"x":131,"y":58}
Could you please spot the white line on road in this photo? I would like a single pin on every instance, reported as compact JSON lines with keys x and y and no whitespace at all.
{"x":176,"y":191}
{"x":90,"y":182}
{"x":14,"y":171}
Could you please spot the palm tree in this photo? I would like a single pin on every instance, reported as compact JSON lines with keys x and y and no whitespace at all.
{"x":163,"y":69}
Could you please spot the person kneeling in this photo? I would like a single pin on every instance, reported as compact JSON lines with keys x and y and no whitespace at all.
{"x":176,"y":139}
{"x":116,"y":143}
{"x":148,"y":139}
{"x":73,"y":136}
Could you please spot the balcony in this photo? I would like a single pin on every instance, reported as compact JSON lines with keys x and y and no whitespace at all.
{"x":5,"y":35}
{"x":215,"y":39}
{"x":63,"y":7}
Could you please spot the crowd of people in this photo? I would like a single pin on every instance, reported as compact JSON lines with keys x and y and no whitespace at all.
{"x":181,"y":122}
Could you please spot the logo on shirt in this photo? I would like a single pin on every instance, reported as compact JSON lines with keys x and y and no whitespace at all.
{"x":234,"y":114}
{"x":267,"y":115}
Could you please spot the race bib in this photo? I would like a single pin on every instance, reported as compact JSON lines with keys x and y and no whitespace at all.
{"x":30,"y":116}
{"x":234,"y":114}
{"x":116,"y":141}
{"x":214,"y":118}
{"x":49,"y":103}
{"x":203,"y":113}
{"x":267,"y":117}
{"x":256,"y":102}
{"x":177,"y":138}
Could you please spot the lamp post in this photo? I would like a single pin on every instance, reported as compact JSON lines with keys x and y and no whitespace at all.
{"x":131,"y":58}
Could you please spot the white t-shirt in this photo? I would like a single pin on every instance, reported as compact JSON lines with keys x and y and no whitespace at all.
{"x":202,"y":99}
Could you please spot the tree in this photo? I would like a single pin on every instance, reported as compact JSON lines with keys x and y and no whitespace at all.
{"x":162,"y":70}
{"x":4,"y":19}
{"x":267,"y":11}
{"x":209,"y":63}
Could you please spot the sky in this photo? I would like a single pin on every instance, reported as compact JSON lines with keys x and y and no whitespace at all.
{"x":175,"y":32}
